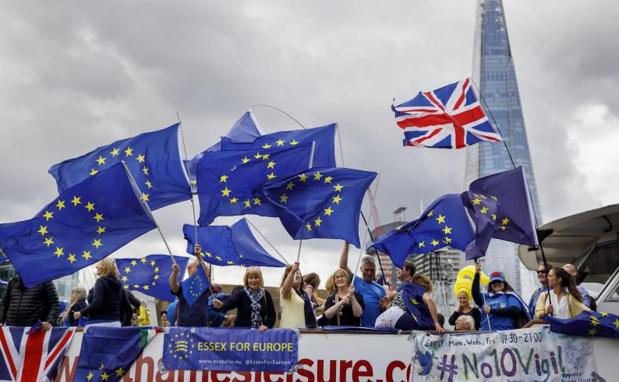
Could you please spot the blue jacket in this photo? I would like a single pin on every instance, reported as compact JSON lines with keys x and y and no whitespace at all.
{"x":533,"y":301}
{"x":505,"y":307}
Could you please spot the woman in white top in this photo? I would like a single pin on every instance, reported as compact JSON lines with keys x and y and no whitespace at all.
{"x":565,"y":300}
{"x":296,"y":307}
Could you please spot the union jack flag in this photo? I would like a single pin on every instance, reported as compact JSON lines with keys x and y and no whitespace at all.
{"x":449,"y":117}
{"x":31,"y":355}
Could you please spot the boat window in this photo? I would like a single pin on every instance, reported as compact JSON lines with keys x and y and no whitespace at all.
{"x":601,"y":263}
{"x":614,"y":297}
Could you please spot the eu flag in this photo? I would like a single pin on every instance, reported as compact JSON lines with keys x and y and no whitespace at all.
{"x":108,"y":353}
{"x":499,"y":205}
{"x":152,"y":158}
{"x":230,"y":182}
{"x":150,"y":274}
{"x":246,"y":129}
{"x":234,"y":245}
{"x":592,"y":324}
{"x":195,"y":285}
{"x":321,"y":203}
{"x":86,"y":223}
{"x":323,"y":139}
{"x":443,"y":224}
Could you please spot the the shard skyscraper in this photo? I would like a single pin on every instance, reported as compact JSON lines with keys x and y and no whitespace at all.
{"x":494,"y":74}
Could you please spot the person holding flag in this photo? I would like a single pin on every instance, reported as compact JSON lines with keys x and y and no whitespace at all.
{"x":568,"y":300}
{"x":192,"y":308}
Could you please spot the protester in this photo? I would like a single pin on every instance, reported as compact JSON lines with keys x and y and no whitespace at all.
{"x":190,"y":315}
{"x":465,"y":309}
{"x":565,"y":300}
{"x":76,"y":304}
{"x":171,"y":311}
{"x":129,"y":312}
{"x":312,"y":282}
{"x":22,"y":306}
{"x":464,"y":324}
{"x":163,"y":319}
{"x":427,"y":299}
{"x":586,"y":296}
{"x":295,"y":304}
{"x":253,"y":303}
{"x":105,"y":298}
{"x":365,"y":285}
{"x":502,"y":308}
{"x":541,"y":277}
{"x":344,"y":306}
{"x":409,"y":309}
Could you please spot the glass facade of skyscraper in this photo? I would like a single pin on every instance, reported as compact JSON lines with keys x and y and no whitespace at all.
{"x":494,"y":74}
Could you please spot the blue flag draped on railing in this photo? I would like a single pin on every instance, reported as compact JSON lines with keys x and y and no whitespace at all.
{"x":86,"y":223}
{"x":500,"y":207}
{"x":443,"y":224}
{"x":321,"y":203}
{"x":592,"y":324}
{"x":153,"y":159}
{"x":195,"y":285}
{"x":246,"y":129}
{"x":323,"y":139}
{"x":230,"y":182}
{"x":108,"y":353}
{"x":234,"y":245}
{"x":150,"y":274}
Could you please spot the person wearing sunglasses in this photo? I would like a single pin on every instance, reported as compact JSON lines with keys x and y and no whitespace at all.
{"x":541,"y":277}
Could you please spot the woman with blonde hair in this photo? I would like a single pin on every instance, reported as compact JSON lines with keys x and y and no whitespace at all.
{"x":106,"y":298}
{"x":296,"y":306}
{"x":565,"y":300}
{"x":254,"y":304}
{"x":465,"y":309}
{"x":344,"y":306}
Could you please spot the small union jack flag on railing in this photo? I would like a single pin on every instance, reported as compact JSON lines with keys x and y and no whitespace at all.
{"x":449,"y":117}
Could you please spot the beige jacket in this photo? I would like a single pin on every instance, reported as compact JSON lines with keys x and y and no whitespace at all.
{"x":576,"y":307}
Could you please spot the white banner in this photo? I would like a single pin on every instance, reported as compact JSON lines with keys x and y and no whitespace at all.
{"x":534,"y":354}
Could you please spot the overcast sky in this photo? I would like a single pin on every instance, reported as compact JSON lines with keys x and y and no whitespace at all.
{"x":77,"y":75}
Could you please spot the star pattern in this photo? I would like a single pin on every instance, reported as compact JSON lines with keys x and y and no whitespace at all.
{"x":142,"y":262}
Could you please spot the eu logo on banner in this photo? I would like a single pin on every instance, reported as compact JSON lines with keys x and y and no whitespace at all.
{"x":275,"y":350}
{"x":86,"y":223}
{"x":150,"y":274}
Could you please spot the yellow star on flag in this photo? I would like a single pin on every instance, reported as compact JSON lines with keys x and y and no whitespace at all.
{"x":337,"y":199}
{"x":493,"y":216}
{"x":124,"y":279}
{"x":257,"y":201}
{"x":89,"y":376}
{"x":140,"y":158}
{"x":143,"y":260}
{"x":266,"y":146}
{"x":152,"y":263}
{"x":617,"y":323}
{"x":59,"y":252}
{"x":308,"y":226}
{"x":317,"y":176}
{"x":100,"y":230}
{"x":48,"y":215}
{"x":245,"y":160}
{"x":421,"y":244}
{"x":223,"y":179}
{"x":115,"y":152}
{"x":93,"y":172}
{"x":283,"y":198}
{"x":86,"y":255}
{"x":145,"y":170}
{"x":226,"y":192}
{"x":592,"y":332}
{"x":294,"y":142}
{"x":76,"y":200}
{"x":129,"y":152}
{"x":434,"y":242}
{"x":248,"y":203}
{"x":280,"y":142}
{"x":290,"y":185}
{"x":440,"y":219}
{"x":430,"y":214}
{"x":127,"y":270}
{"x":317,"y":221}
{"x":476,"y":201}
{"x":446,"y":240}
{"x":258,"y":155}
{"x":266,"y":156}
{"x":134,"y":263}
{"x":119,"y":372}
{"x":505,"y":221}
{"x":90,"y":206}
{"x":234,"y":200}
{"x":271,"y":165}
{"x":484,"y":210}
{"x":104,"y":376}
{"x":71,"y":258}
{"x":96,"y":243}
{"x":328,"y":179}
{"x":271,"y":176}
{"x":303,"y":178}
{"x":145,"y":197}
{"x":60,"y":205}
{"x":101,"y":160}
{"x":447,"y":230}
{"x":42,"y":230}
{"x":328,"y":211}
{"x":145,"y":287}
{"x":48,"y":241}
{"x":338,"y":187}
{"x":98,"y":217}
{"x":148,"y":184}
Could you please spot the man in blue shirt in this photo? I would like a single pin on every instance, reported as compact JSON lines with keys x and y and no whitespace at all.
{"x":365,"y":285}
{"x":541,"y":277}
{"x":190,"y":315}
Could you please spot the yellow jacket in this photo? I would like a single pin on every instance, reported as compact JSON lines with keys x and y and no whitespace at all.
{"x":575,"y":307}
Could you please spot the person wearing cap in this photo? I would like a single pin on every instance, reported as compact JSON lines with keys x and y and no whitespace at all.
{"x":502,"y":308}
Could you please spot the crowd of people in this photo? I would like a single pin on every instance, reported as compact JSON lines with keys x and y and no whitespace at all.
{"x":353,"y":300}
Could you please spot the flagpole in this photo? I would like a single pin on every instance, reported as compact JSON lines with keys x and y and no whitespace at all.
{"x":147,"y":209}
{"x":359,"y":259}
{"x":281,"y":111}
{"x":299,"y":253}
{"x":380,"y":263}
{"x":268,"y":242}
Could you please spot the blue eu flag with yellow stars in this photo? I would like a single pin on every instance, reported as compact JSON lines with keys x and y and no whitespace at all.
{"x":230,"y":182}
{"x":150,"y":274}
{"x":323,"y":139}
{"x":443,"y":224}
{"x":234,"y":245}
{"x":153,"y":159}
{"x":86,"y":223}
{"x":195,"y":285}
{"x":501,"y":208}
{"x":592,"y":324}
{"x":321,"y":203}
{"x":108,"y":353}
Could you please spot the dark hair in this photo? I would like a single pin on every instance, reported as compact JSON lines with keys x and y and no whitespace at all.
{"x":441,"y":319}
{"x":162,"y":313}
{"x":506,"y":287}
{"x":410,"y":267}
{"x":312,"y":279}
{"x":567,"y":281}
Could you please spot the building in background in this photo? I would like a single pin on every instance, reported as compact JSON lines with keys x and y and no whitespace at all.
{"x":385,"y":261}
{"x":494,"y":74}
